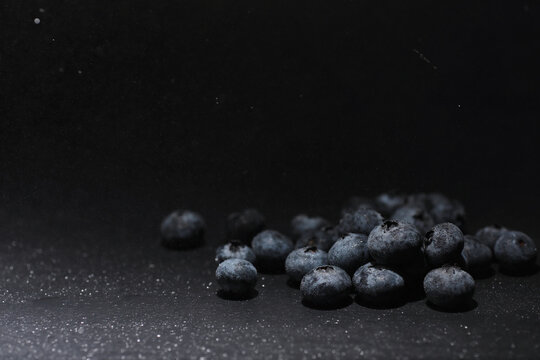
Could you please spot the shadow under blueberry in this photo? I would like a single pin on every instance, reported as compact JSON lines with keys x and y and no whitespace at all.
{"x":469,"y":306}
{"x":293,"y":284}
{"x":483,"y":273}
{"x":236,"y":297}
{"x":334,"y":306}
{"x":380,"y":305}
{"x":523,"y":272}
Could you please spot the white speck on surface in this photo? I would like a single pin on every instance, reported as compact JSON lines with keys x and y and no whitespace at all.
{"x":37,"y":21}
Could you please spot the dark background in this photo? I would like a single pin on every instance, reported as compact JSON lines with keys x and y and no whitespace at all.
{"x":115,"y":113}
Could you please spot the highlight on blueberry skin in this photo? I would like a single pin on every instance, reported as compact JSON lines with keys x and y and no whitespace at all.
{"x":449,"y":287}
{"x":301,"y":261}
{"x":489,"y":235}
{"x":236,"y":277}
{"x":515,"y":251}
{"x":362,"y":221}
{"x":395,"y":243}
{"x":321,"y":238}
{"x":475,"y":255}
{"x":244,"y":225}
{"x":302,"y":224}
{"x":378,"y":285}
{"x":326,"y":285}
{"x":443,"y":244}
{"x":349,"y":253}
{"x":182,"y":229}
{"x":235,"y":250}
{"x":271,"y":249}
{"x":416,"y":216}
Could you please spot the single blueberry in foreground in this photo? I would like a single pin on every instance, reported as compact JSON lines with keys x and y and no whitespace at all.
{"x":271,"y":249}
{"x":449,"y":287}
{"x":349,"y":253}
{"x":303,"y":260}
{"x":416,"y":216}
{"x":182,"y":229}
{"x":489,"y":235}
{"x":322,"y":238}
{"x":235,"y":250}
{"x":325,"y":285}
{"x":362,"y":221}
{"x":395,"y":243}
{"x":244,"y":225}
{"x":236,"y":276}
{"x":515,"y":250}
{"x":378,"y":285}
{"x":302,"y":224}
{"x":443,"y":244}
{"x":475,"y":255}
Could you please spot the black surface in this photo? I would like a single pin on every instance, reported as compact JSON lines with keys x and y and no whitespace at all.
{"x":112,"y":114}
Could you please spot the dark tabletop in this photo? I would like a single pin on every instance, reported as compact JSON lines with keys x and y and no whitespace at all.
{"x":114,"y":113}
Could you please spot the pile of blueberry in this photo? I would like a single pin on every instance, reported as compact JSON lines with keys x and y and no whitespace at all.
{"x":386,"y":250}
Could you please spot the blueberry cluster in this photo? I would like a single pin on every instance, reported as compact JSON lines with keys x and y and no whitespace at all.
{"x":384,"y":250}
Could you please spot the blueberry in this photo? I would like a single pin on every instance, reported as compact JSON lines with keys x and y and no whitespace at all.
{"x":443,"y":244}
{"x":244,"y":225}
{"x":442,"y":209}
{"x":236,"y":276}
{"x":475,"y":255}
{"x":449,"y":287}
{"x":416,"y":216}
{"x":325,"y":285}
{"x":395,"y":243}
{"x":420,"y":200}
{"x":271,"y":249}
{"x":388,"y":203}
{"x":323,"y":239}
{"x":235,"y":250}
{"x":355,"y":203}
{"x":349,"y":253}
{"x":362,"y":221}
{"x":302,"y":224}
{"x":515,"y":251}
{"x":303,"y":260}
{"x":378,"y":285}
{"x":490,"y":234}
{"x":182,"y":229}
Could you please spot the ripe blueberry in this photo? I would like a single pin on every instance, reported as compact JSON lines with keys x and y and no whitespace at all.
{"x":449,"y":287}
{"x":489,"y":235}
{"x":515,"y":251}
{"x":182,"y":229}
{"x":301,"y":261}
{"x":362,"y":221}
{"x":378,"y":285}
{"x":416,"y":216}
{"x":395,"y":243}
{"x":271,"y":249}
{"x":325,"y":285}
{"x":244,"y":225}
{"x":443,"y":244}
{"x":349,"y":253}
{"x":235,"y":250}
{"x":302,"y":224}
{"x":236,"y":276}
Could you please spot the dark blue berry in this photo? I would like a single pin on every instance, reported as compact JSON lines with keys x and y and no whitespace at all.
{"x":235,"y":250}
{"x":355,"y":203}
{"x":395,"y":243}
{"x":303,"y":260}
{"x":416,"y":216}
{"x":449,"y":287}
{"x":302,"y":224}
{"x":489,"y":235}
{"x":322,"y":238}
{"x":388,"y":203}
{"x":325,"y":285}
{"x":475,"y":255}
{"x":515,"y":250}
{"x":236,"y":276}
{"x":271,"y":249}
{"x":244,"y":225}
{"x":443,"y":244}
{"x":182,"y":229}
{"x":349,"y":253}
{"x":362,"y":221}
{"x":445,"y":210}
{"x":378,"y":285}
